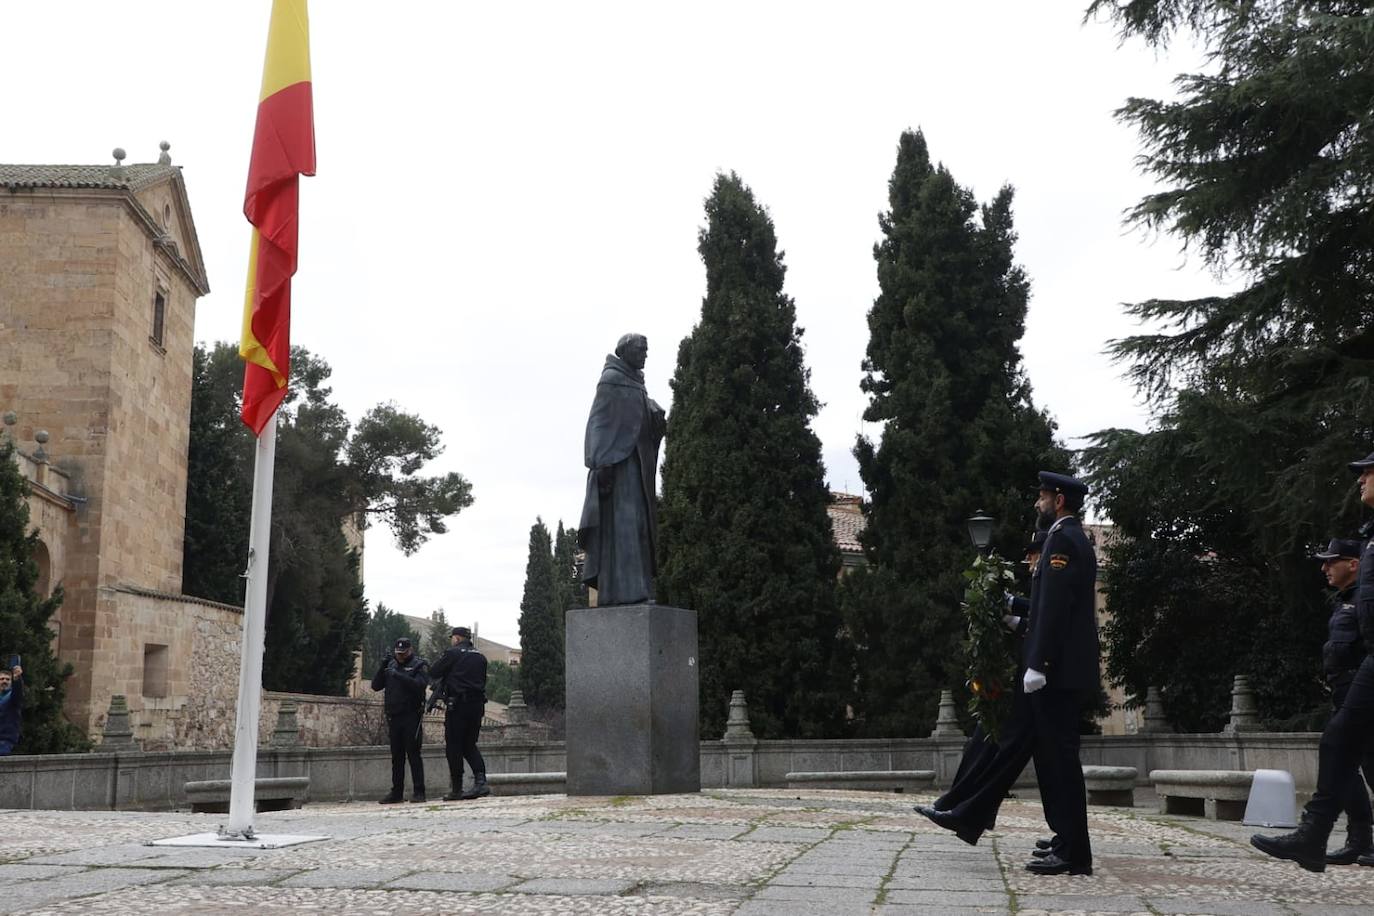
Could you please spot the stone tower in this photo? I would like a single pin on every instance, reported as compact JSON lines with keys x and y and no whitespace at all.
{"x":100,"y":271}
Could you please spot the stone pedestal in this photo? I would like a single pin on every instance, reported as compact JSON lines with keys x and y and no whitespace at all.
{"x":632,"y":698}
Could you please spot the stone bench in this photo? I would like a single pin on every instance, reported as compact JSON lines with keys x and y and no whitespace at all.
{"x":1111,"y":785}
{"x":528,"y":783}
{"x":278,"y":793}
{"x":868,"y":781}
{"x":1218,"y":795}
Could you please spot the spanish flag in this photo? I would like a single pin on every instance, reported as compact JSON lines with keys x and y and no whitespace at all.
{"x":283,"y":150}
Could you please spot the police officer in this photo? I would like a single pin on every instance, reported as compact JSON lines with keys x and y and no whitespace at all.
{"x":404,"y":677}
{"x":1347,"y":733}
{"x":1341,"y":656}
{"x":1062,"y":673}
{"x":463,"y":672}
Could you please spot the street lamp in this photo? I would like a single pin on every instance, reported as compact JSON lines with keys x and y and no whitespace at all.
{"x":980,"y":529}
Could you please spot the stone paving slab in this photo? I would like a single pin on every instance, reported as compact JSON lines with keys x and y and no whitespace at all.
{"x":719,"y":853}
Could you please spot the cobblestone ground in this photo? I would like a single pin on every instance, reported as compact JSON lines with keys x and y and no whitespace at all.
{"x":748,"y":853}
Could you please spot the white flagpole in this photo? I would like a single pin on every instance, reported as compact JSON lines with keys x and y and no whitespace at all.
{"x":245,"y":765}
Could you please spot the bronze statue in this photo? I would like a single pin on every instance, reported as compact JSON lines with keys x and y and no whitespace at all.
{"x":618,"y":528}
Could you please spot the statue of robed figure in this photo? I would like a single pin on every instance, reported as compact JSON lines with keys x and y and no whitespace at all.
{"x":618,"y":527}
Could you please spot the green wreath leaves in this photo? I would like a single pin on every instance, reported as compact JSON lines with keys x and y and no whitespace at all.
{"x":989,"y":648}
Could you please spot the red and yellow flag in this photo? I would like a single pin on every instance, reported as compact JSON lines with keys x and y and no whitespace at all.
{"x":283,"y":150}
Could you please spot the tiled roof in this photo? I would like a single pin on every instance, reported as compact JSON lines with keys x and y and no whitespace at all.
{"x":847,"y":520}
{"x":104,"y":177}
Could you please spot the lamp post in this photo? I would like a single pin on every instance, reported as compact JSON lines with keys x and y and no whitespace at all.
{"x":980,"y":530}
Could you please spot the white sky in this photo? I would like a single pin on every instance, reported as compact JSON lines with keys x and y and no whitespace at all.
{"x":506,"y":188}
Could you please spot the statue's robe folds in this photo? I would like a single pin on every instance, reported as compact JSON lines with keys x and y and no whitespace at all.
{"x":618,"y":530}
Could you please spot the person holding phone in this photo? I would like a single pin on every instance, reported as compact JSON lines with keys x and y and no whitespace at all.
{"x":11,"y":705}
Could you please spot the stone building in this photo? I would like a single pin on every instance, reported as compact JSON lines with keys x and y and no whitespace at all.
{"x":100,"y":270}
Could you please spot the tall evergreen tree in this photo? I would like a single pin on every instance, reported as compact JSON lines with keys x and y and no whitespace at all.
{"x":959,"y":433}
{"x":330,"y":476}
{"x":24,"y":618}
{"x":744,"y":535}
{"x":1263,"y":394}
{"x":572,"y":590}
{"x":541,"y":643}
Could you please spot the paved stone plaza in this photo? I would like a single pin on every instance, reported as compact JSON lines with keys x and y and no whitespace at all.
{"x":744,"y":852}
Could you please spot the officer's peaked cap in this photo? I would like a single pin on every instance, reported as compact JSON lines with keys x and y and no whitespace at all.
{"x":1366,"y":462}
{"x":1340,"y":548}
{"x":403,"y":643}
{"x":463,"y":632}
{"x":1051,"y":482}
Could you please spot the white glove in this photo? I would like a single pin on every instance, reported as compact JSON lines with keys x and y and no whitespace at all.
{"x":1012,"y":621}
{"x":1033,"y":680}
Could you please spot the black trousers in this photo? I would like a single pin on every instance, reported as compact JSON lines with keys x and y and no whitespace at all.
{"x":462,"y":724}
{"x":1060,"y":771}
{"x":988,"y":769}
{"x":1345,"y":741}
{"x":1356,"y":803}
{"x":405,"y":735}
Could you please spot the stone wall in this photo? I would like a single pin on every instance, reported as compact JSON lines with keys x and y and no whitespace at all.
{"x":154,"y":781}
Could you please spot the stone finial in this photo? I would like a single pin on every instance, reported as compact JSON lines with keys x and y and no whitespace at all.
{"x":1244,"y":712}
{"x":288,"y":731}
{"x":119,"y":156}
{"x":41,"y":437}
{"x":947,"y":719}
{"x":737,"y":720}
{"x":117,"y":735}
{"x":1155,"y":722}
{"x":165,"y":158}
{"x":517,"y":713}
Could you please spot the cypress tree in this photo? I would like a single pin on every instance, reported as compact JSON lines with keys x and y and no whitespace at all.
{"x":541,"y":644}
{"x":24,"y":620}
{"x":744,"y":536}
{"x":959,"y":433}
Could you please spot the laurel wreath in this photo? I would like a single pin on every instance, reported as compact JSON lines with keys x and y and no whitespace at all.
{"x":989,"y":648}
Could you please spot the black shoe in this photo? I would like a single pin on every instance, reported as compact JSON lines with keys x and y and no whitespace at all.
{"x":1366,"y":860}
{"x":1053,"y":865}
{"x":480,"y":789}
{"x":1042,"y":853}
{"x":417,"y":798}
{"x":948,"y":821}
{"x":454,"y":795}
{"x":1359,"y":841}
{"x":1306,"y":845}
{"x":1045,"y":844}
{"x":393,"y":798}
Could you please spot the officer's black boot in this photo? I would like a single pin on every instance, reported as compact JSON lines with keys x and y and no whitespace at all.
{"x":479,"y":789}
{"x":1306,"y":845}
{"x":455,"y":793}
{"x":1359,"y":841}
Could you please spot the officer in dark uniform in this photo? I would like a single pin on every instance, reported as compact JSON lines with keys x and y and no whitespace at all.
{"x":1347,"y":734}
{"x":463,"y":672}
{"x":403,"y":677}
{"x":981,"y":755}
{"x":1341,"y":657}
{"x":1062,"y":670}
{"x":971,"y":804}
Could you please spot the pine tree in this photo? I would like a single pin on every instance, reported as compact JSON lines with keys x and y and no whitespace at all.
{"x":24,"y":618}
{"x":959,"y":434}
{"x":744,"y":535}
{"x":1261,"y":395}
{"x":541,"y":644}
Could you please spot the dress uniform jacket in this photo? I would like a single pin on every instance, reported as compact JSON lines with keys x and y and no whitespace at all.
{"x":1061,"y":639}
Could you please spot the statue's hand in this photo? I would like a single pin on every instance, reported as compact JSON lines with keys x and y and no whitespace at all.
{"x":604,"y":477}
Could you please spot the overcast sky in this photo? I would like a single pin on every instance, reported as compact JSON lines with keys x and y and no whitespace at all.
{"x":506,"y":188}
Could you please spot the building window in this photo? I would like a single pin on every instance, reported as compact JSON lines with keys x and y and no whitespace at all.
{"x":159,"y":316}
{"x":154,"y":670}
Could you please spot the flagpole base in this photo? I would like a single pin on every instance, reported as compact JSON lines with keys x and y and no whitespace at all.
{"x":238,"y":842}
